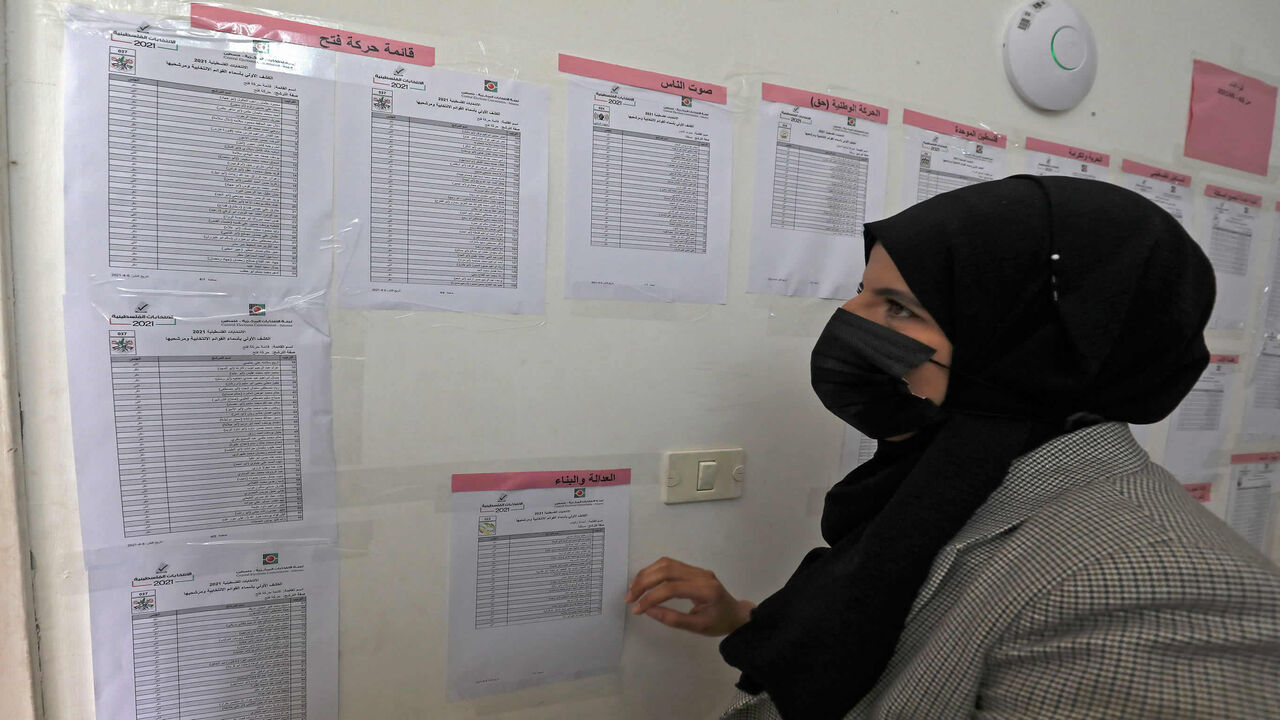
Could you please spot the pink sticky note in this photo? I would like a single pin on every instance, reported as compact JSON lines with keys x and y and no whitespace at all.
{"x":1231,"y":118}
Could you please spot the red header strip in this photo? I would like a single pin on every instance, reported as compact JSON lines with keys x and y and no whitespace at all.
{"x":268,"y":27}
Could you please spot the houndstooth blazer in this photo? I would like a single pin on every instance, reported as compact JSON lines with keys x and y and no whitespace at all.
{"x":1089,"y":585}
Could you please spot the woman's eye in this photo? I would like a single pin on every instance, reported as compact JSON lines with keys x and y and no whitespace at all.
{"x":898,"y":310}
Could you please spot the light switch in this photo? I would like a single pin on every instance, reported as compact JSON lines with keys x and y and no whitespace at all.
{"x":706,"y":475}
{"x":695,"y":475}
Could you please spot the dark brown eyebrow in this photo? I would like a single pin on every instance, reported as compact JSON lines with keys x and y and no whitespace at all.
{"x":905,"y":298}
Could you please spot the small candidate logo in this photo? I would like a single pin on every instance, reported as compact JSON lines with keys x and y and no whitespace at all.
{"x":256,"y":309}
{"x":122,"y":346}
{"x":143,"y":601}
{"x":270,"y":559}
{"x":853,"y":122}
{"x":686,"y":101}
{"x":261,"y":47}
{"x":579,"y":493}
{"x":488,"y":525}
{"x":122,"y":60}
{"x":491,"y":86}
{"x":979,"y":150}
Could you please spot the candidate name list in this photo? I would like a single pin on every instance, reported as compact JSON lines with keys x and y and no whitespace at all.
{"x":201,"y":179}
{"x":207,"y":442}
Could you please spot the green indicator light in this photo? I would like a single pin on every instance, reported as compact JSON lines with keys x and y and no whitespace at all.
{"x":1053,"y":50}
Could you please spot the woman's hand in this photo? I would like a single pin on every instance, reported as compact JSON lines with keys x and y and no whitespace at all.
{"x":714,"y":612}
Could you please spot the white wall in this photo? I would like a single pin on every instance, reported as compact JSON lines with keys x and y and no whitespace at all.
{"x":590,"y":384}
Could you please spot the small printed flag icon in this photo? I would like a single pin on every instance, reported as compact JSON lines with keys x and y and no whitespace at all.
{"x":579,"y":493}
{"x":257,"y":309}
{"x":490,"y":86}
{"x":687,"y":102}
{"x":270,"y":559}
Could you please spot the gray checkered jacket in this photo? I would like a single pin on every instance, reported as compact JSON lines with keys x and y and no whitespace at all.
{"x":1090,"y":585}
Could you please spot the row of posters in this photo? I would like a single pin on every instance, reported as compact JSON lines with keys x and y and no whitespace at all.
{"x":431,"y":185}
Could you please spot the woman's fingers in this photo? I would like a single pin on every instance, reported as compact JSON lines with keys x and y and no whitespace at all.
{"x":664,"y":570}
{"x":677,"y":619}
{"x":714,"y":612}
{"x":700,"y":593}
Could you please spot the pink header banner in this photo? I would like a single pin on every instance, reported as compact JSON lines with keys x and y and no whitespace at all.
{"x":820,"y":101}
{"x":1133,"y":167}
{"x":1199,"y":491}
{"x":1236,"y":196}
{"x":1092,"y":157}
{"x":268,"y":27}
{"x":540,"y":480}
{"x":1224,"y":359}
{"x":1255,"y":458}
{"x":949,"y":127}
{"x":683,"y":87}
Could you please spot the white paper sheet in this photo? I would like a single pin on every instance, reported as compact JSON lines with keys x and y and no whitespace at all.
{"x":1227,"y":237}
{"x":196,"y":161}
{"x":1262,"y":406}
{"x":1251,"y":498}
{"x":229,"y":632}
{"x":538,"y":571}
{"x":1271,"y":312}
{"x":1193,"y":447}
{"x":941,"y":155}
{"x":646,"y":195}
{"x":192,"y":429}
{"x":1055,"y":159}
{"x":1170,"y":190}
{"x":441,"y":189}
{"x":820,"y":174}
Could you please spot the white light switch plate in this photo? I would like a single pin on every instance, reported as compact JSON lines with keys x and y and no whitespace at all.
{"x":680,"y":475}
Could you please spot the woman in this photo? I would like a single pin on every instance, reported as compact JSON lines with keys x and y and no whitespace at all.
{"x":1009,"y":551}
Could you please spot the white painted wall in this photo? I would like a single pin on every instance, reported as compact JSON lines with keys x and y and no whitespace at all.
{"x":590,"y":384}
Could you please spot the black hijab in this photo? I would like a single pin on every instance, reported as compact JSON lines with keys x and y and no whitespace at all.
{"x":1066,"y":302}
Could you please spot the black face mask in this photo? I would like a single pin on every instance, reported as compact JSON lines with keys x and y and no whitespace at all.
{"x":856,"y":370}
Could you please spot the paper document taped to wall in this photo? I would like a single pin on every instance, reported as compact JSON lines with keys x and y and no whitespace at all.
{"x":538,"y":571}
